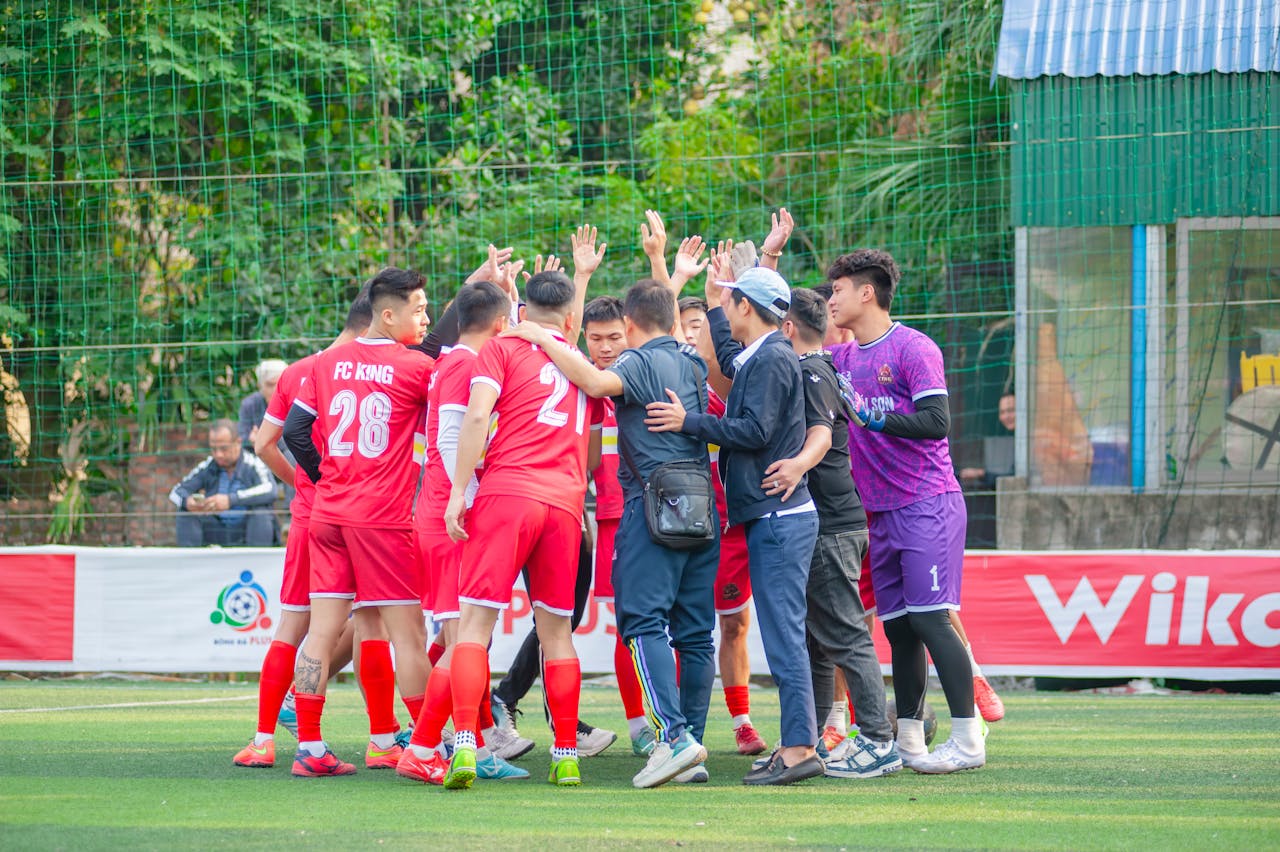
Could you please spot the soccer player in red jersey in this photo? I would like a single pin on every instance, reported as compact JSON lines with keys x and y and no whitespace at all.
{"x":527,"y":511}
{"x":606,"y":334}
{"x":367,"y":399}
{"x":483,"y":311}
{"x":295,"y":591}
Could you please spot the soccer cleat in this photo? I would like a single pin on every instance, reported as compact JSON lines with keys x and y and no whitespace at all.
{"x":642,"y":746}
{"x":257,"y":756}
{"x":693,"y":775}
{"x":382,"y":758}
{"x":949,"y":757}
{"x":403,"y":736}
{"x":493,"y":768}
{"x":429,"y":770}
{"x":749,"y":739}
{"x":592,"y":741}
{"x":989,"y":704}
{"x":506,"y":743}
{"x":669,"y":760}
{"x":305,"y":765}
{"x":288,"y":719}
{"x":859,"y":757}
{"x":462,"y":770}
{"x":831,"y":737}
{"x":565,"y":772}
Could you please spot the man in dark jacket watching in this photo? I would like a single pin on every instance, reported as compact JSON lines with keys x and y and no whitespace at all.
{"x":764,"y":421}
{"x":227,"y":498}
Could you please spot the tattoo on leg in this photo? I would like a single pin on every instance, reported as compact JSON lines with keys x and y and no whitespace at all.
{"x":309,"y":674}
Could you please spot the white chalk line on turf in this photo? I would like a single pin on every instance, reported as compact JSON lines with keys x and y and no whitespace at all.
{"x":252,"y":697}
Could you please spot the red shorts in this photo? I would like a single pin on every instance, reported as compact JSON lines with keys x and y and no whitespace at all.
{"x":506,"y":533}
{"x":440,"y":557}
{"x":295,"y":588}
{"x":606,"y":530}
{"x":733,"y":578}
{"x":376,"y":566}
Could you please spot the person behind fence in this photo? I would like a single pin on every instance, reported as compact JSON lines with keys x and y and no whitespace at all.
{"x":226,"y":499}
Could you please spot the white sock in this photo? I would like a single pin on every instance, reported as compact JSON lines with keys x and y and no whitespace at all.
{"x":261,"y":738}
{"x":561,"y":753}
{"x":315,"y":748}
{"x":420,"y":751}
{"x":967,"y":732}
{"x":638,"y":725}
{"x":464,"y":739}
{"x":836,"y":718}
{"x":739,"y":721}
{"x":383,"y":740}
{"x":911,"y":736}
{"x":977,"y":669}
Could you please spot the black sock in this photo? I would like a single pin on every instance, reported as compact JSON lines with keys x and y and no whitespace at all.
{"x":910,"y":667}
{"x":949,"y":658}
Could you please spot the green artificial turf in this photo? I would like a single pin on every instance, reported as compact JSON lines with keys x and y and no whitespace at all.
{"x":1065,"y":771}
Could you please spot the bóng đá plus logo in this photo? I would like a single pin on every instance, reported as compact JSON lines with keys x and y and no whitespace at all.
{"x":242,"y":606}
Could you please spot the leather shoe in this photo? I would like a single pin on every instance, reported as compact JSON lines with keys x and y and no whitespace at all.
{"x":775,"y":772}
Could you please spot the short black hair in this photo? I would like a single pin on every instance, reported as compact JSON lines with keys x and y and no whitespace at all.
{"x":769,"y":317}
{"x":808,"y":313}
{"x":549,"y":291}
{"x":479,"y":304}
{"x":602,"y":309}
{"x":649,"y":305}
{"x":393,"y":283}
{"x":825,"y":290}
{"x":691,"y":303}
{"x":869,"y":266}
{"x":360,"y":314}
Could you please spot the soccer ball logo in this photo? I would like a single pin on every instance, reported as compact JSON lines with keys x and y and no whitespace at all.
{"x":242,"y":606}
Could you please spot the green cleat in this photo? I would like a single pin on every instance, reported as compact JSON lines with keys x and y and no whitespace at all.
{"x":564,"y":772}
{"x":462,"y":770}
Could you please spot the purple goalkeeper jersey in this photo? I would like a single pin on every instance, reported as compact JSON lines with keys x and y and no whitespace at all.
{"x":891,"y":374}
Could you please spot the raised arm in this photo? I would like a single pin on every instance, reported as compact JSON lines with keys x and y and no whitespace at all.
{"x":582,"y":373}
{"x":771,"y":248}
{"x":586,"y":260}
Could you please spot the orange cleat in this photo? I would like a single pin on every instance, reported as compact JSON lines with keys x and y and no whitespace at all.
{"x":306,"y":766}
{"x":383,"y":758}
{"x":428,"y":770}
{"x":749,"y":740}
{"x":257,"y":756}
{"x":831,"y":737}
{"x":989,"y":704}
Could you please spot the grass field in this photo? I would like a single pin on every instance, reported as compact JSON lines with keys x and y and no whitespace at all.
{"x":1065,"y":771}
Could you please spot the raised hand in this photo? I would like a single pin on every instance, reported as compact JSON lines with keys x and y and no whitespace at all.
{"x":653,"y":235}
{"x":508,"y":276}
{"x":551,"y":264}
{"x":586,"y":257}
{"x":491,"y":269}
{"x":687,"y":265}
{"x":783,"y":225}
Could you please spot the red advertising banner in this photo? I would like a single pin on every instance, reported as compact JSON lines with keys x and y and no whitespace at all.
{"x":1200,"y":615}
{"x":38,"y":592}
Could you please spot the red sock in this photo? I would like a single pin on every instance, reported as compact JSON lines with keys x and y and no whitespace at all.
{"x":563,"y":682}
{"x":436,"y":709}
{"x":378,"y":677}
{"x":470,"y":677}
{"x":414,"y":705}
{"x":738,"y":700}
{"x":480,"y":738}
{"x":485,"y":720}
{"x":628,"y":681}
{"x":310,"y":708}
{"x":277,"y":675}
{"x":434,"y":652}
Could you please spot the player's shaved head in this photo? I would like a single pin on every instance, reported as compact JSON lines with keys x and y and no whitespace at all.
{"x":548,"y":295}
{"x":808,"y":313}
{"x":360,"y":314}
{"x":479,"y":305}
{"x":392,"y":286}
{"x":869,"y":266}
{"x":649,"y":305}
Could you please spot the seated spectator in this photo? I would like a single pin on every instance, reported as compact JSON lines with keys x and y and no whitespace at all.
{"x":227,"y":498}
{"x":997,"y":451}
{"x":255,"y":404}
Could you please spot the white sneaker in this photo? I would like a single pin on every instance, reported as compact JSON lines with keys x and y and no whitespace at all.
{"x":669,"y":760}
{"x":694,"y":775}
{"x":949,"y":757}
{"x":507,"y":743}
{"x":863,"y":759}
{"x":591,"y":744}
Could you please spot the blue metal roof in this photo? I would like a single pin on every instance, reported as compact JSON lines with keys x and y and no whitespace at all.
{"x":1113,"y":38}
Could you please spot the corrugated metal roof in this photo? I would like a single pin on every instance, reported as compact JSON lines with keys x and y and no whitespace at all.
{"x":1115,"y":38}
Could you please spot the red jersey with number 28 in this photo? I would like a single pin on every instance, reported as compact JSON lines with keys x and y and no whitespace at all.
{"x":538,"y":449}
{"x":367,"y":396}
{"x":450,"y":391}
{"x":291,"y":381}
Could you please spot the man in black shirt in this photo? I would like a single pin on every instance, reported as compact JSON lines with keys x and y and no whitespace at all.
{"x":837,"y":629}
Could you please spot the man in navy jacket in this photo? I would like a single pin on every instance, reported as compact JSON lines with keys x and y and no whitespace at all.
{"x":227,"y":498}
{"x":764,"y":422}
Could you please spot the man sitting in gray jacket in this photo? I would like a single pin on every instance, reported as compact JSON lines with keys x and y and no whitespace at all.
{"x":227,"y":498}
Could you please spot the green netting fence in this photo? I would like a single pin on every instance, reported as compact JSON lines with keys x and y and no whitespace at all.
{"x":192,"y":187}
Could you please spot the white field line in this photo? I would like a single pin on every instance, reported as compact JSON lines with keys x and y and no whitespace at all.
{"x":251,"y":697}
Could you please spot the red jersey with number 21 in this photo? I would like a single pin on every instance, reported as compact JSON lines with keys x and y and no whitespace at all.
{"x":538,"y":449}
{"x":367,"y":396}
{"x":287,"y":389}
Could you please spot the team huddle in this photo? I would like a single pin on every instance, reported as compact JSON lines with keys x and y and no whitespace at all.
{"x":738,"y":448}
